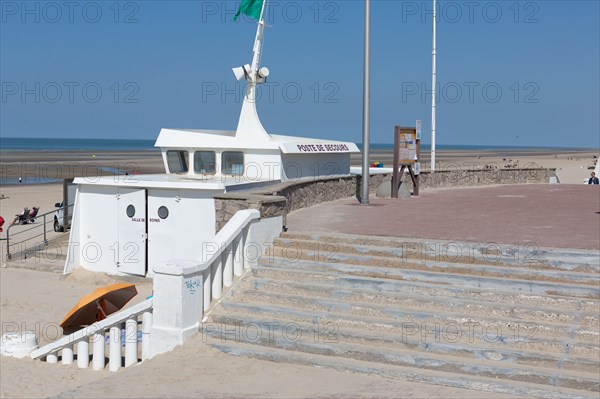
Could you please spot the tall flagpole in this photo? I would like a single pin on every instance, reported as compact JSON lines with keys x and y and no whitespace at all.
{"x":366,"y":106}
{"x":258,"y":41}
{"x":433,"y":92}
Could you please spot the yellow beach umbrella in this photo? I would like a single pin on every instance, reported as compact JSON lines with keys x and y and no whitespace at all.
{"x":97,"y":305}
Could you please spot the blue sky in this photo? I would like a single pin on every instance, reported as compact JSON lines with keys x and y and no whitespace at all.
{"x":510,"y":73}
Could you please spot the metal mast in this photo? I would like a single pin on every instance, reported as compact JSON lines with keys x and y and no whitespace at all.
{"x":433,"y":91}
{"x":366,"y":106}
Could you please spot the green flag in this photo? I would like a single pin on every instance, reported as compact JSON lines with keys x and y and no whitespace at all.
{"x":251,"y":8}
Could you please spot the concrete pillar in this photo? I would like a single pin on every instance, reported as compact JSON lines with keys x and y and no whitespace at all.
{"x":227,"y":259}
{"x":178,"y":304}
{"x":207,"y":287}
{"x":67,"y":355}
{"x":114,"y":349}
{"x":131,"y":346}
{"x":238,"y":257}
{"x":146,"y":334}
{"x":98,"y":351}
{"x":217,"y":278}
{"x":83,"y":353}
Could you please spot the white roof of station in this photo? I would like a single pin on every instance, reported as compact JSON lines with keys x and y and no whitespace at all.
{"x":172,"y":180}
{"x":192,"y":138}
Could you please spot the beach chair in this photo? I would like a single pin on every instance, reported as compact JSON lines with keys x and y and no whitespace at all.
{"x":28,"y":216}
{"x":32,"y":214}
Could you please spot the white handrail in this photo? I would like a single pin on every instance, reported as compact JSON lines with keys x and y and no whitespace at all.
{"x":115,"y":318}
{"x":185,"y":289}
{"x":225,"y":236}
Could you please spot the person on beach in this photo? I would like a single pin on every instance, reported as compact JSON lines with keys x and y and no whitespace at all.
{"x":20,"y":216}
{"x":593,"y":179}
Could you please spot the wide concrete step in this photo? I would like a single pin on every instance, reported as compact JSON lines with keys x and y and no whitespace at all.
{"x":525,"y":253}
{"x":442,"y":278}
{"x":514,"y":306}
{"x":523,"y":336}
{"x":424,"y":361}
{"x":249,"y":328}
{"x":512,"y":388}
{"x":432,"y":253}
{"x":321,"y":283}
{"x":522,"y":272}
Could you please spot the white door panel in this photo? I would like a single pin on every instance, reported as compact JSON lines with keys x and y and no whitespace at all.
{"x":131,"y":240}
{"x":180,"y":223}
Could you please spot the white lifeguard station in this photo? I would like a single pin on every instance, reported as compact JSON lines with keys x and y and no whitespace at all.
{"x":129,"y":224}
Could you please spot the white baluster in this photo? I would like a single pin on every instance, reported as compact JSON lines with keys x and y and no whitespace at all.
{"x":146,"y":327}
{"x":52,"y":358}
{"x":83,"y":353}
{"x":98,"y":351}
{"x":249,"y":260}
{"x":227,"y":259}
{"x":217,"y":277}
{"x":131,"y":334}
{"x":207,"y":287}
{"x":238,"y":259}
{"x":67,"y":355}
{"x":114,"y":351}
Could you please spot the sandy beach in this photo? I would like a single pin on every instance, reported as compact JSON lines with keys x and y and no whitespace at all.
{"x":35,"y":167}
{"x":37,"y":300}
{"x":572,"y":165}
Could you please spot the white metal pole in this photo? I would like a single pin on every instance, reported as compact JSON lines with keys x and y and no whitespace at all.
{"x":366,"y":106}
{"x":433,"y":91}
{"x":258,"y":43}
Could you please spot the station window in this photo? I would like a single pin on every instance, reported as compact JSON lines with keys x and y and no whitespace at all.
{"x":232,"y":162}
{"x":177,"y":161}
{"x":205,"y":162}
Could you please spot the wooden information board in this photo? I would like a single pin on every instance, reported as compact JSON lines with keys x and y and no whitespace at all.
{"x":407,"y":150}
{"x":407,"y":146}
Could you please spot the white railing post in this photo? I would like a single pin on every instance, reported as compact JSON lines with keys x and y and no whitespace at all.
{"x":83,"y":353}
{"x":227,"y":259}
{"x":131,"y":335}
{"x":207,"y":287}
{"x":52,"y":358}
{"x":114,"y":349}
{"x":251,"y":258}
{"x":98,"y":351}
{"x":177,"y":305}
{"x":217,"y":278}
{"x":146,"y":327}
{"x":238,"y":258}
{"x":67,"y":355}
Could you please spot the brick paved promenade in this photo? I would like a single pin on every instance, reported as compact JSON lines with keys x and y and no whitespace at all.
{"x":560,"y":216}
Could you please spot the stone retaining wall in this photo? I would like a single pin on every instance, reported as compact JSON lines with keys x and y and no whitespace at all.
{"x":281,"y":198}
{"x":465,"y":178}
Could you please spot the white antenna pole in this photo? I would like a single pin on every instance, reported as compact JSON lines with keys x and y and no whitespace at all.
{"x":433,"y":92}
{"x":258,"y":44}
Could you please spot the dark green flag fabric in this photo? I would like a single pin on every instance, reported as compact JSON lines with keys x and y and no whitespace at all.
{"x":251,"y":8}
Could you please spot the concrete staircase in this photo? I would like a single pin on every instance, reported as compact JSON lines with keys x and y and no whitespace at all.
{"x":513,"y":319}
